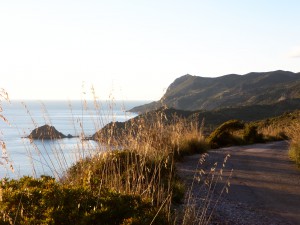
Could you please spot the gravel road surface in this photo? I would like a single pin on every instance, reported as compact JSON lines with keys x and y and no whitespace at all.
{"x":264,"y":188}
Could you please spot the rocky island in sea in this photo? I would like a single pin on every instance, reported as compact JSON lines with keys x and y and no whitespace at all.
{"x":47,"y":132}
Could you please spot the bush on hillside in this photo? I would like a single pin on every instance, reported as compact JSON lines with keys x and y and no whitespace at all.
{"x":251,"y":135}
{"x":223,"y":135}
{"x":294,"y":152}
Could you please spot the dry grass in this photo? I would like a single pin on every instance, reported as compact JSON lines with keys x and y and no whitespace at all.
{"x":286,"y":126}
{"x":273,"y":132}
{"x":145,"y":164}
{"x":281,"y":127}
{"x":294,"y":150}
{"x":4,"y":160}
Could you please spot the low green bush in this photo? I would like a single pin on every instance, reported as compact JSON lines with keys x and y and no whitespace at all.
{"x":223,"y":135}
{"x":251,"y":135}
{"x":294,"y":152}
{"x":45,"y":201}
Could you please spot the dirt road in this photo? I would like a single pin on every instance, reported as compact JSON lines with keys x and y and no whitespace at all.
{"x":265,"y":186}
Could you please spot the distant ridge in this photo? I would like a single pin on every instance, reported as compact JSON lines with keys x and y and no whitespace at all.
{"x":211,"y":119}
{"x":203,"y":93}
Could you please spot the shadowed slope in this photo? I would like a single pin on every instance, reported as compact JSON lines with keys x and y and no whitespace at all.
{"x":202,"y":93}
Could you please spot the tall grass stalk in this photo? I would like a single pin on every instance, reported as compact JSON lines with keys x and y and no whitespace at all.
{"x":205,"y":192}
{"x":4,"y":160}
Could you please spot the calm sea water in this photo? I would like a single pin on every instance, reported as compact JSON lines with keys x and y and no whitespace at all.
{"x":22,"y":157}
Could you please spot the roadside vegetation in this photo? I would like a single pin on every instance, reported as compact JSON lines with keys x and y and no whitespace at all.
{"x":280,"y":127}
{"x":235,"y":132}
{"x":294,"y":151}
{"x":284,"y":127}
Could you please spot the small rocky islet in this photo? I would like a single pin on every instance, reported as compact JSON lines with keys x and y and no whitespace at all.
{"x":47,"y":132}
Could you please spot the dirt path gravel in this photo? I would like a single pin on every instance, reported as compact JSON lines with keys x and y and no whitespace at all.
{"x":265,"y":186}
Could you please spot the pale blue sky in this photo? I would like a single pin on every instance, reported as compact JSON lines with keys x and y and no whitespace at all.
{"x":134,"y":49}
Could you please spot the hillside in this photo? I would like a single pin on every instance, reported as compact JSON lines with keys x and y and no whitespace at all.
{"x":211,"y":118}
{"x":202,"y":93}
{"x":286,"y":124}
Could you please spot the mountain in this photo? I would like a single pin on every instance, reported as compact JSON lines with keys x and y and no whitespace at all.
{"x":203,"y":93}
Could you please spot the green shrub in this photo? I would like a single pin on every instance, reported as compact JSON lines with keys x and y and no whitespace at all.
{"x":223,"y":135}
{"x":251,"y":135}
{"x":45,"y":201}
{"x":294,"y":152}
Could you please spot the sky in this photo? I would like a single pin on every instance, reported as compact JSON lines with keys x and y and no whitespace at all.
{"x":134,"y":49}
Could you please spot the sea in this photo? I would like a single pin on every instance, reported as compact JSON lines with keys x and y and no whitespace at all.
{"x":21,"y":156}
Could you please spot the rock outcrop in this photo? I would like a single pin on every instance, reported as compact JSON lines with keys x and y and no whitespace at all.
{"x":47,"y":132}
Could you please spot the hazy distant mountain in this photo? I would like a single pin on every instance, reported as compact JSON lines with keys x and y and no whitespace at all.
{"x":202,"y":93}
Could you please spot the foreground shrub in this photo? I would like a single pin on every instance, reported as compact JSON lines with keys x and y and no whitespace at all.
{"x":223,"y":135}
{"x":45,"y":201}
